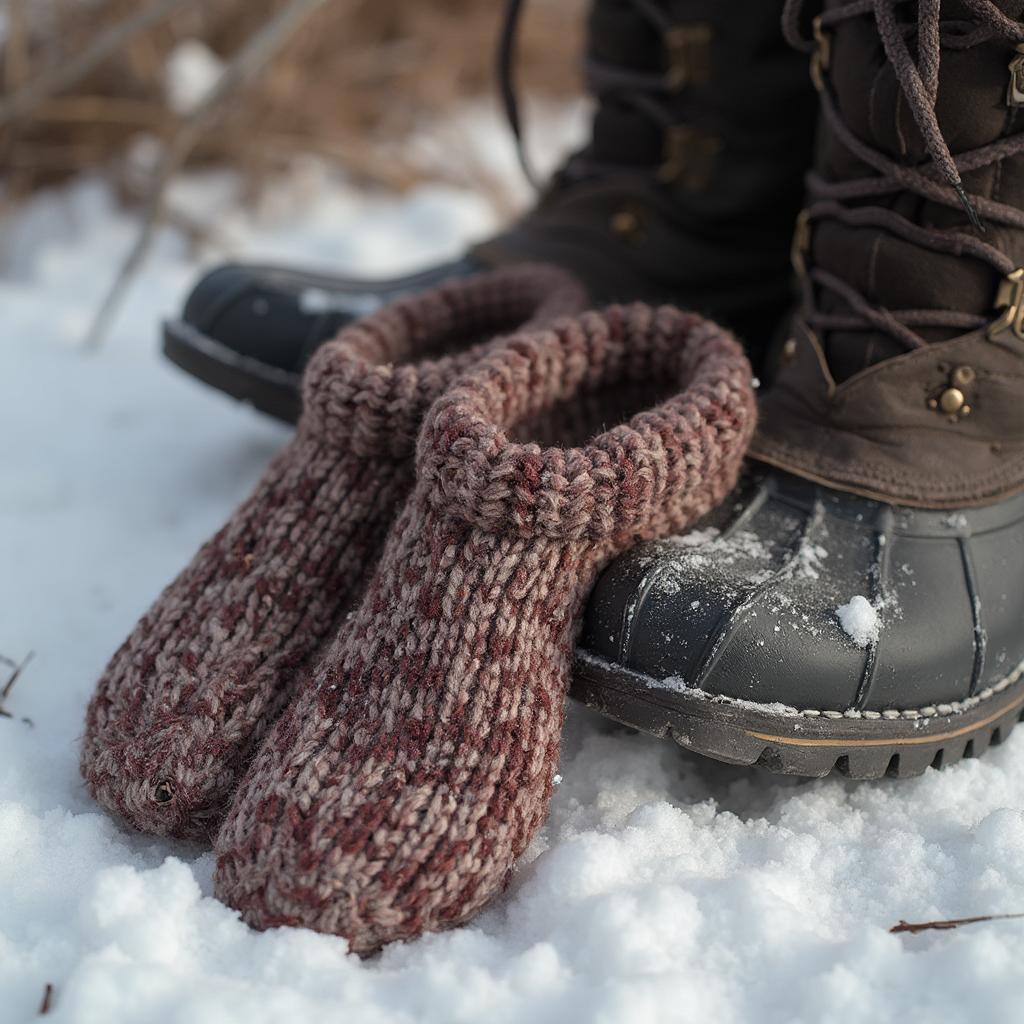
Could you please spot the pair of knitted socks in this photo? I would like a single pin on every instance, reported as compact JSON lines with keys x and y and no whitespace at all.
{"x":414,"y":757}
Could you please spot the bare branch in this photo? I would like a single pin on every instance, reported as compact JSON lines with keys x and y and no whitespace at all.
{"x":251,"y":59}
{"x":65,"y":75}
{"x":5,"y":692}
{"x":18,"y":669}
{"x":942,"y":926}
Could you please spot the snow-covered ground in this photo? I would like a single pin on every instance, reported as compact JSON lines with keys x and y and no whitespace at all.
{"x":664,"y":887}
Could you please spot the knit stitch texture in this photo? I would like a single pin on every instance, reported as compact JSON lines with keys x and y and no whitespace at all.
{"x":183,"y":704}
{"x":394,"y":795}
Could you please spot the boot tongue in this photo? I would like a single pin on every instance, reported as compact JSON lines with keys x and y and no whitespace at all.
{"x":971,"y":109}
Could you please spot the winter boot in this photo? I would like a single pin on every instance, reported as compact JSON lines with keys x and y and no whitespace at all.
{"x":859,"y":604}
{"x":395,"y":794}
{"x":685,"y":193}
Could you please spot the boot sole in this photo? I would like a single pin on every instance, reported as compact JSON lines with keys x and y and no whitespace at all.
{"x":811,"y":743}
{"x":272,"y":391}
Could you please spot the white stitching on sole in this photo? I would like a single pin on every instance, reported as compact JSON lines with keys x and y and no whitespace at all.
{"x":955,"y":707}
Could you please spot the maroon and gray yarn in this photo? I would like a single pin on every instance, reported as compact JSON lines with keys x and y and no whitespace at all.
{"x":183,"y":704}
{"x":395,"y":793}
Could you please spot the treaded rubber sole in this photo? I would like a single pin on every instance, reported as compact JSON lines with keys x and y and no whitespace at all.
{"x":791,"y":744}
{"x":274,"y":392}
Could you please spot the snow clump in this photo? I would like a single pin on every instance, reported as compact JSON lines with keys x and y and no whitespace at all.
{"x":859,"y":619}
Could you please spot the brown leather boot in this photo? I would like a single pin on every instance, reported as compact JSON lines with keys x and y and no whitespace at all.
{"x":685,"y":193}
{"x":860,"y":606}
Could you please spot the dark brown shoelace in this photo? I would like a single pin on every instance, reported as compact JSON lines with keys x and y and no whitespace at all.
{"x":939,"y":181}
{"x":645,"y":92}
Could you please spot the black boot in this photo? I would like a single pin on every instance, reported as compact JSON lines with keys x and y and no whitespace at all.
{"x":859,"y":604}
{"x":685,"y":193}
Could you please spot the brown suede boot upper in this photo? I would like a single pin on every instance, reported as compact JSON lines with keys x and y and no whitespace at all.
{"x":902,"y":380}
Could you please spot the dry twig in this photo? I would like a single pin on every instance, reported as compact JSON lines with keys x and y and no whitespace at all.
{"x":17,"y":669}
{"x":252,"y":58}
{"x":942,"y":926}
{"x":356,"y":81}
{"x":63,"y":76}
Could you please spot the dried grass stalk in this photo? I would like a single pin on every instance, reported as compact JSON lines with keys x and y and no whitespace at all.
{"x":358,"y":76}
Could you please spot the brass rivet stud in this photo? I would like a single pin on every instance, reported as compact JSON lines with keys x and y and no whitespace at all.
{"x":951,"y":401}
{"x":962,"y":376}
{"x":789,"y":350}
{"x":164,"y":792}
{"x":625,"y":223}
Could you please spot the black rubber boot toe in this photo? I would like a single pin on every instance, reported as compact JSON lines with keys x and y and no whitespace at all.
{"x":807,"y":629}
{"x":250,"y":330}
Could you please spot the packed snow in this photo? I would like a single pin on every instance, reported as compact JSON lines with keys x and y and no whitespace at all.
{"x":664,"y":887}
{"x":860,"y":621}
{"x":191,"y":74}
{"x":809,"y":558}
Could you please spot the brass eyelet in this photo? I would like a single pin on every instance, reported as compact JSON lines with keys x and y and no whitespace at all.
{"x":627,"y":223}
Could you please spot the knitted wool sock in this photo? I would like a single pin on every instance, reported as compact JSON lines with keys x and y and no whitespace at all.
{"x":182,"y":705}
{"x":393,"y":796}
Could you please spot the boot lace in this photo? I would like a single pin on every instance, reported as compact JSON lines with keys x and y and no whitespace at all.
{"x":939,"y":180}
{"x":652,"y":94}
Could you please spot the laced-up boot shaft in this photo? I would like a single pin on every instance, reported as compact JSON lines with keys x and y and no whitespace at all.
{"x":905,"y":364}
{"x":689,"y":184}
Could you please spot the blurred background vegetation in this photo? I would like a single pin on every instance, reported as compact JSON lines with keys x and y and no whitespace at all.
{"x":348,"y":81}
